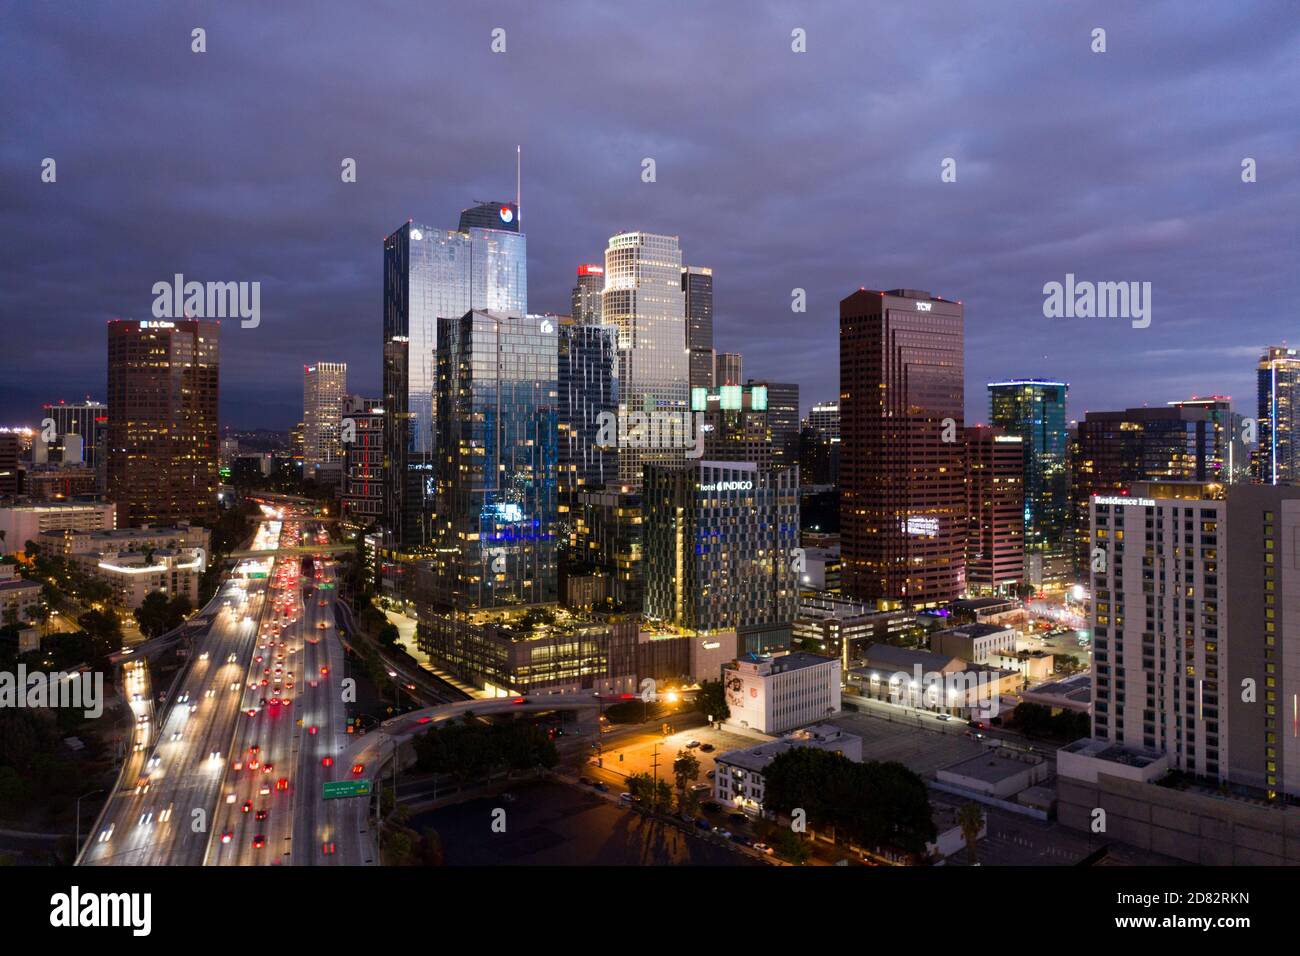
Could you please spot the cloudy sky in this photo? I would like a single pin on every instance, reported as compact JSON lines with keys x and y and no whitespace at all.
{"x":818,"y":170}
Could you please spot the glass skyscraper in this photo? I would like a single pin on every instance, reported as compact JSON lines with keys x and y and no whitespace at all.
{"x":431,"y":274}
{"x":588,"y":388}
{"x":1035,"y":410}
{"x":697,"y":287}
{"x":496,"y":490}
{"x":643,"y":299}
{"x":1278,"y":457}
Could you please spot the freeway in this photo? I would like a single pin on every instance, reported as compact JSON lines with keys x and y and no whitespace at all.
{"x":372,"y":751}
{"x":293,"y":726}
{"x":162,"y":805}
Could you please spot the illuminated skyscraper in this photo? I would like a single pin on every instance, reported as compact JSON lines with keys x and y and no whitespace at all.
{"x":162,"y":420}
{"x":588,"y":389}
{"x":995,"y":496}
{"x":1035,"y":410}
{"x":902,"y":493}
{"x":1278,"y":457}
{"x":496,"y":500}
{"x":643,"y":300}
{"x":727,"y":369}
{"x":431,"y":274}
{"x":697,"y":287}
{"x":323,"y":387}
{"x":1229,"y":459}
{"x":587,"y":294}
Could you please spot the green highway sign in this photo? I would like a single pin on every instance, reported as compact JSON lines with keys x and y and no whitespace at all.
{"x":345,"y":788}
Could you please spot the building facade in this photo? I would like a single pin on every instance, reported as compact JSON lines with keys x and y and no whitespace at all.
{"x":995,"y":501}
{"x":163,"y":439}
{"x":902,"y":492}
{"x":720,"y":540}
{"x":643,"y":299}
{"x":497,"y":491}
{"x":323,"y":387}
{"x":431,"y":274}
{"x":361,"y":497}
{"x":697,"y":290}
{"x":587,"y":294}
{"x":773,"y":695}
{"x":588,"y":392}
{"x":1278,"y":378}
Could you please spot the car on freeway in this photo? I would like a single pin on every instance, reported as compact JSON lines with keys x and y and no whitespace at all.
{"x":706,"y":748}
{"x":328,"y":848}
{"x":358,"y":769}
{"x":282,"y":783}
{"x":327,"y":761}
{"x":227,"y":836}
{"x":260,"y":814}
{"x":247,"y":805}
{"x":692,"y":744}
{"x":259,"y":841}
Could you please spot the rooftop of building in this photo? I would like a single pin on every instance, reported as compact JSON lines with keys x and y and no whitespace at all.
{"x":994,"y":765}
{"x":784,"y":663}
{"x":1113,"y":752}
{"x":19,"y":584}
{"x":974,"y":630}
{"x":1076,"y":688}
{"x":985,"y":604}
{"x":903,"y":658}
{"x":756,"y":759}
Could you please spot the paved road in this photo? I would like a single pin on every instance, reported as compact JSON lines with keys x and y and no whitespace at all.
{"x":162,"y":808}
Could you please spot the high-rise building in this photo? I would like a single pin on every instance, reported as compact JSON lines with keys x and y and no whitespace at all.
{"x":587,"y":294}
{"x":1034,"y":409}
{"x":607,"y":538}
{"x":782,"y":420}
{"x":1229,"y":459}
{"x":727,"y":369}
{"x":1278,"y":375}
{"x":819,"y":445}
{"x":1189,"y":583}
{"x":361,"y":498}
{"x":323,"y":387}
{"x":162,"y":420}
{"x":88,"y":421}
{"x":11,"y":474}
{"x":1117,"y":449}
{"x":720,"y":538}
{"x":643,"y":299}
{"x":697,"y":287}
{"x":902,"y":493}
{"x":496,"y":501}
{"x":588,"y":390}
{"x":995,"y":502}
{"x":431,"y":274}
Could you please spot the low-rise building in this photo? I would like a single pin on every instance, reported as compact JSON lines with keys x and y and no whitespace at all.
{"x":739,"y":782}
{"x":841,"y":627}
{"x":20,"y":599}
{"x":975,"y":642}
{"x":134,"y":575}
{"x":998,"y":772}
{"x":929,"y":681}
{"x":774,"y":694}
{"x":22,"y":523}
{"x":69,"y":543}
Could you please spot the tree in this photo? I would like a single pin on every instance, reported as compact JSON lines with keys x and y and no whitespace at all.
{"x":790,"y":848}
{"x":686,"y":769}
{"x":157,"y":614}
{"x":971,"y":818}
{"x":712,"y":701}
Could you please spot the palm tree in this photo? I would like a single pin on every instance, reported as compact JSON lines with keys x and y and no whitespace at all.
{"x":971,"y":818}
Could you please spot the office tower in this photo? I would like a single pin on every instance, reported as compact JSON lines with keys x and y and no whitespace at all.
{"x":782,"y":421}
{"x":727,"y":370}
{"x":719,"y":545}
{"x":643,"y":300}
{"x":431,"y":274}
{"x":1117,"y":449}
{"x":697,"y":287}
{"x":819,"y":445}
{"x":735,"y":424}
{"x":1229,"y":457}
{"x":588,"y":389}
{"x":323,"y":387}
{"x":902,"y":494}
{"x":825,"y":418}
{"x":995,"y":502}
{"x":496,"y":501}
{"x":587,"y":294}
{"x":11,"y":475}
{"x":607,"y":538}
{"x":162,"y":420}
{"x":1034,"y":409}
{"x":88,"y":421}
{"x":1278,"y":376}
{"x":361,"y":435}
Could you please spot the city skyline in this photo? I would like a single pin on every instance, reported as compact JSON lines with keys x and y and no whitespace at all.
{"x":1142,"y":203}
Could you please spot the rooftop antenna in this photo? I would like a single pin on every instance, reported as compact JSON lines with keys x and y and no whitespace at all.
{"x":519,"y":213}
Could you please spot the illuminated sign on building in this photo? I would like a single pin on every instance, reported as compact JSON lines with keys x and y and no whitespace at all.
{"x":728,"y":486}
{"x":921,"y":526}
{"x":1144,"y":502}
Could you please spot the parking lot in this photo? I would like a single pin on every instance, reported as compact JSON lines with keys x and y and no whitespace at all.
{"x":921,"y":743}
{"x":636,"y":754}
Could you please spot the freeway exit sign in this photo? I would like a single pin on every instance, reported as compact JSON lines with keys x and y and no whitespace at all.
{"x":345,"y":788}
